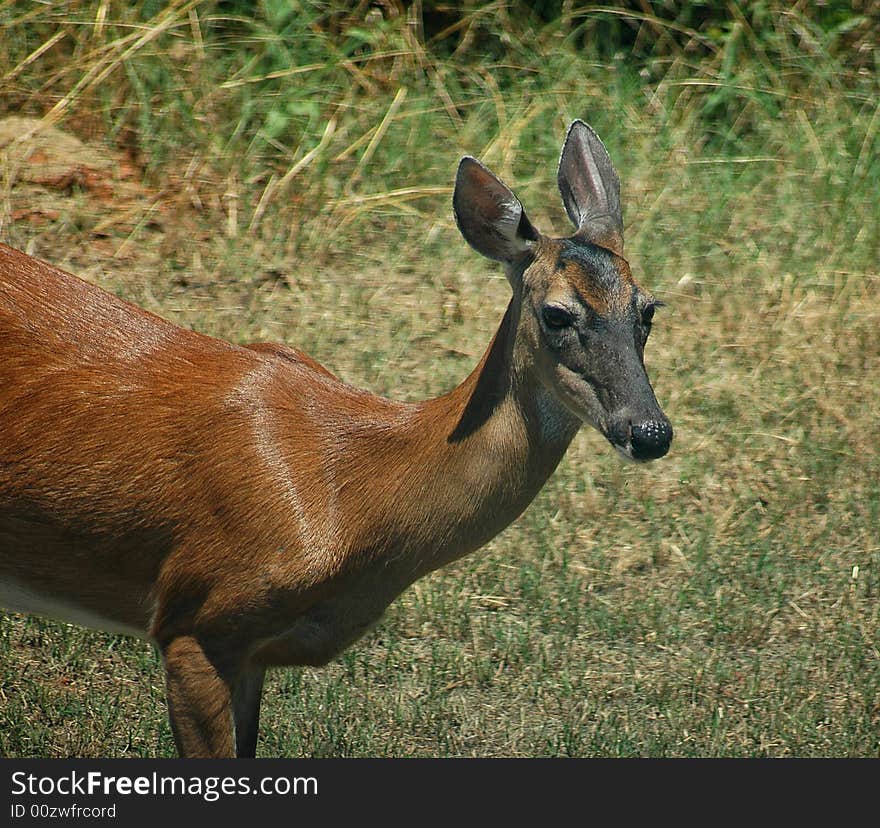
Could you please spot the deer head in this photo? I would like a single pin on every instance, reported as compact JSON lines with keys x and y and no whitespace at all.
{"x":583,"y":321}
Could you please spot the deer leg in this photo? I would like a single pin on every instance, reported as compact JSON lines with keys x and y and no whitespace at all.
{"x":246,"y":710}
{"x":200,"y":704}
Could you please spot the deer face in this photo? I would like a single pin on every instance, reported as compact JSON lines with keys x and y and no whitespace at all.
{"x":582,"y":315}
{"x":587,"y":322}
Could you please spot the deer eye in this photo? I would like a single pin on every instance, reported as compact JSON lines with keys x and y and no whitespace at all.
{"x":556,"y":317}
{"x":648,"y":312}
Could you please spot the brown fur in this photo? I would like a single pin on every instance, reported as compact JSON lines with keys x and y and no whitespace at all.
{"x":209,"y":495}
{"x":243,"y":507}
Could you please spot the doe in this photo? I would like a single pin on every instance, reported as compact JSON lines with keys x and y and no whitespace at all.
{"x":244,"y":508}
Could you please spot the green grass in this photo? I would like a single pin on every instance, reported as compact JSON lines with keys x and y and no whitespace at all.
{"x":724,"y":601}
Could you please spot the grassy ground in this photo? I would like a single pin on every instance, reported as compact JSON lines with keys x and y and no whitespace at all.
{"x":289,"y":177}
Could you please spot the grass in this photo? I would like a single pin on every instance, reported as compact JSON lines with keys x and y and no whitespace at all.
{"x":288,"y":178}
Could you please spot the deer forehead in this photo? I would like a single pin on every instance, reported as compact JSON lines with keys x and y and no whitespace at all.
{"x":565,"y":269}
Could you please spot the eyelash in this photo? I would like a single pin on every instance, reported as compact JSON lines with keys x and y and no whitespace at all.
{"x":648,"y":312}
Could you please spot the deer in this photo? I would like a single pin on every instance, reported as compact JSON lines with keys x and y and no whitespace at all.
{"x":243,"y":508}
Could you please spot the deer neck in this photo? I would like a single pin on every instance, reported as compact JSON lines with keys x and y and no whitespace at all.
{"x":492,"y":442}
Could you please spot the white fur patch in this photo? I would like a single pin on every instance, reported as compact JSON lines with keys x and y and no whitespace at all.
{"x":18,"y":598}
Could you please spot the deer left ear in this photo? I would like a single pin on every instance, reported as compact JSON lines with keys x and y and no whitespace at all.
{"x":590,"y":188}
{"x":489,"y":215}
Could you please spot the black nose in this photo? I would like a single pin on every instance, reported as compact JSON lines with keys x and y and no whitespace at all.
{"x":650,"y":439}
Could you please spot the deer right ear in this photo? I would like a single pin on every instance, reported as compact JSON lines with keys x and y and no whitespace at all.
{"x":489,"y":215}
